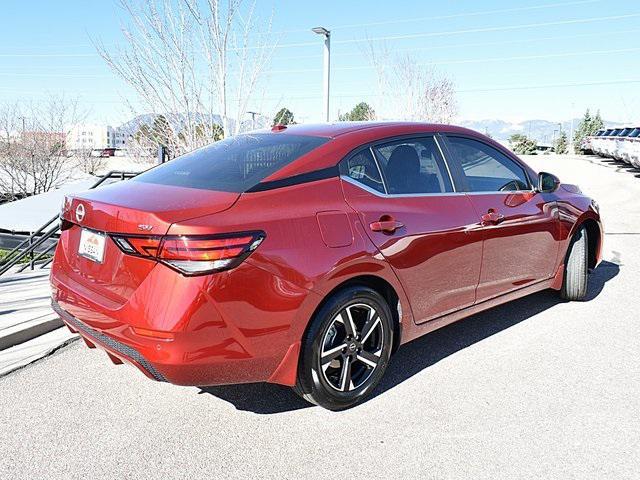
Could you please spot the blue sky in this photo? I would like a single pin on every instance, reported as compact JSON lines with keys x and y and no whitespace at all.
{"x":510,"y":60}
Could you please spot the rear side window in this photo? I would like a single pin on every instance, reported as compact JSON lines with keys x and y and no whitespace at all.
{"x":363,"y":169}
{"x":232,"y":165}
{"x":485,"y":168}
{"x":413,"y":166}
{"x":635,"y":133}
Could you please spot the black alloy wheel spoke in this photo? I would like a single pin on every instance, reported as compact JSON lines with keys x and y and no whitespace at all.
{"x":333,"y":353}
{"x":368,"y":358}
{"x":369,"y":326}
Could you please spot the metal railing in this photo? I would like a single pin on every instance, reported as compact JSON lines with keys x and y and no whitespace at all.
{"x":50,"y":230}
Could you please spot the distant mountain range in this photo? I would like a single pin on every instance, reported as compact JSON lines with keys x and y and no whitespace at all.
{"x":177,"y":121}
{"x":540,"y":130}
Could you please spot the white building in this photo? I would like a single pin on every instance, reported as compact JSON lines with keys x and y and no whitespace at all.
{"x":92,"y":137}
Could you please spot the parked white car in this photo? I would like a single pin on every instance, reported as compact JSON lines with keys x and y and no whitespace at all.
{"x":633,"y":147}
{"x":621,"y":143}
{"x":608,"y":142}
{"x":594,"y":142}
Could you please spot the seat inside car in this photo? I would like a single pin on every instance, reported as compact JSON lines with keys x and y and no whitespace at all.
{"x":403,"y":173}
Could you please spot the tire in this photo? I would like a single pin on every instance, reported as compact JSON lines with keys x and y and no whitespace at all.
{"x":574,"y":284}
{"x":346,"y":349}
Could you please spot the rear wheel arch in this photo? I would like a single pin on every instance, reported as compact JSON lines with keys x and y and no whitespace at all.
{"x":382,"y":287}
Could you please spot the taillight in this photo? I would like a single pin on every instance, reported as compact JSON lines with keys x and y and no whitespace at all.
{"x":194,"y":255}
{"x":141,"y":246}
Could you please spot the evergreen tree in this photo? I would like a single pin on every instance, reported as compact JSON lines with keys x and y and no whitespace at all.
{"x":522,"y":145}
{"x":161,"y":132}
{"x":362,"y":112}
{"x":588,"y":126}
{"x":596,"y":123}
{"x":284,"y":117}
{"x":561,"y":144}
{"x":205,"y":132}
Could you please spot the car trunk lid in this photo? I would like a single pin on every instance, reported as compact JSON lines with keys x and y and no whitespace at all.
{"x":127,"y":209}
{"x":143,"y":208}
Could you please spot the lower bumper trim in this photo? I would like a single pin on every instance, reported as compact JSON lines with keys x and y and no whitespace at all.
{"x":108,"y":342}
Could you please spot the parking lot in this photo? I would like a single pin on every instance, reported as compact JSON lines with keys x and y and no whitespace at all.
{"x":535,"y":388}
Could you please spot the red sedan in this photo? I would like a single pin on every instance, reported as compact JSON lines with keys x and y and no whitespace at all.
{"x":306,"y":255}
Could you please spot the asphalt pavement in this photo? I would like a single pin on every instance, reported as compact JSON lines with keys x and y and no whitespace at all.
{"x":537,"y":388}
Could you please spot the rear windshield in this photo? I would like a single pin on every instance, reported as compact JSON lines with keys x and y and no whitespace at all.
{"x":232,"y":165}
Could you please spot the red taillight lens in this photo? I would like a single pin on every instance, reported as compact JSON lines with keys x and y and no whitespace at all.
{"x":194,"y":255}
{"x":141,"y":246}
{"x":189,"y":248}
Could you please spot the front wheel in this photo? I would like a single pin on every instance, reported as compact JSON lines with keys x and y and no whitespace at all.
{"x":346,"y":349}
{"x":574,"y":284}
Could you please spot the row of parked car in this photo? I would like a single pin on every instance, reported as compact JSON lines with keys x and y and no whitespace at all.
{"x":621,"y":143}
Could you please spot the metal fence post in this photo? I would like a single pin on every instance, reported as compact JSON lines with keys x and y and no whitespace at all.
{"x":31,"y":253}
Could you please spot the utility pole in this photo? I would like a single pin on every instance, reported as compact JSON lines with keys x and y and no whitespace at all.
{"x":326,"y":69}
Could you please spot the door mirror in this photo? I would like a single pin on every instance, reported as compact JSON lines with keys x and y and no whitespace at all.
{"x":547,"y":182}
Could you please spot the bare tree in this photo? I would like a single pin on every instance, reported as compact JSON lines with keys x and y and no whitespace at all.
{"x":195,"y":62}
{"x":410,"y":90}
{"x":33,"y":156}
{"x":89,"y":162}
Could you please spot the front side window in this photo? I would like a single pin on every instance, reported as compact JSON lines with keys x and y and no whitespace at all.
{"x":232,"y":165}
{"x":413,"y":166}
{"x":487,"y":169}
{"x":362,"y":168}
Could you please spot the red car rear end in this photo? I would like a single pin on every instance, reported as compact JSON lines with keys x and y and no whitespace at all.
{"x":177,"y":306}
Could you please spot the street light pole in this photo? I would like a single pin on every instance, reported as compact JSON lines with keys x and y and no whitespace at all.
{"x":327,"y":67}
{"x":253,"y":119}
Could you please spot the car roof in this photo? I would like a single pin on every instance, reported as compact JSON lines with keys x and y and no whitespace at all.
{"x":336,"y":129}
{"x":347,"y":136}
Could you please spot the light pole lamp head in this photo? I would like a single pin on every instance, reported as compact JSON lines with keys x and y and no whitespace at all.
{"x":321,"y":31}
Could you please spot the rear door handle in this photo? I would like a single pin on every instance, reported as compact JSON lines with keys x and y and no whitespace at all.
{"x":385,"y":225}
{"x":492,"y":218}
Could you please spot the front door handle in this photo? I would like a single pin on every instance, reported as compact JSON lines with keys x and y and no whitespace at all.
{"x":386,"y":224}
{"x":492,"y":218}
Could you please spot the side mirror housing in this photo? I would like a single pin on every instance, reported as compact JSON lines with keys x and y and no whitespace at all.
{"x":547,"y":182}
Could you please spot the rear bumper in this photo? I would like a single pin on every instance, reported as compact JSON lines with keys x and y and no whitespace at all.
{"x":221,"y":331}
{"x":113,"y":347}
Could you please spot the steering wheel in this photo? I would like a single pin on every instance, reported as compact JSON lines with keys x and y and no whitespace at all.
{"x":510,"y":186}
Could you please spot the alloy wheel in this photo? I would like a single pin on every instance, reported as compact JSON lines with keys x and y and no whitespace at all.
{"x":352,"y":347}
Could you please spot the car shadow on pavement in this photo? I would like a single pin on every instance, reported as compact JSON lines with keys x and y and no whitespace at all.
{"x":415,"y":356}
